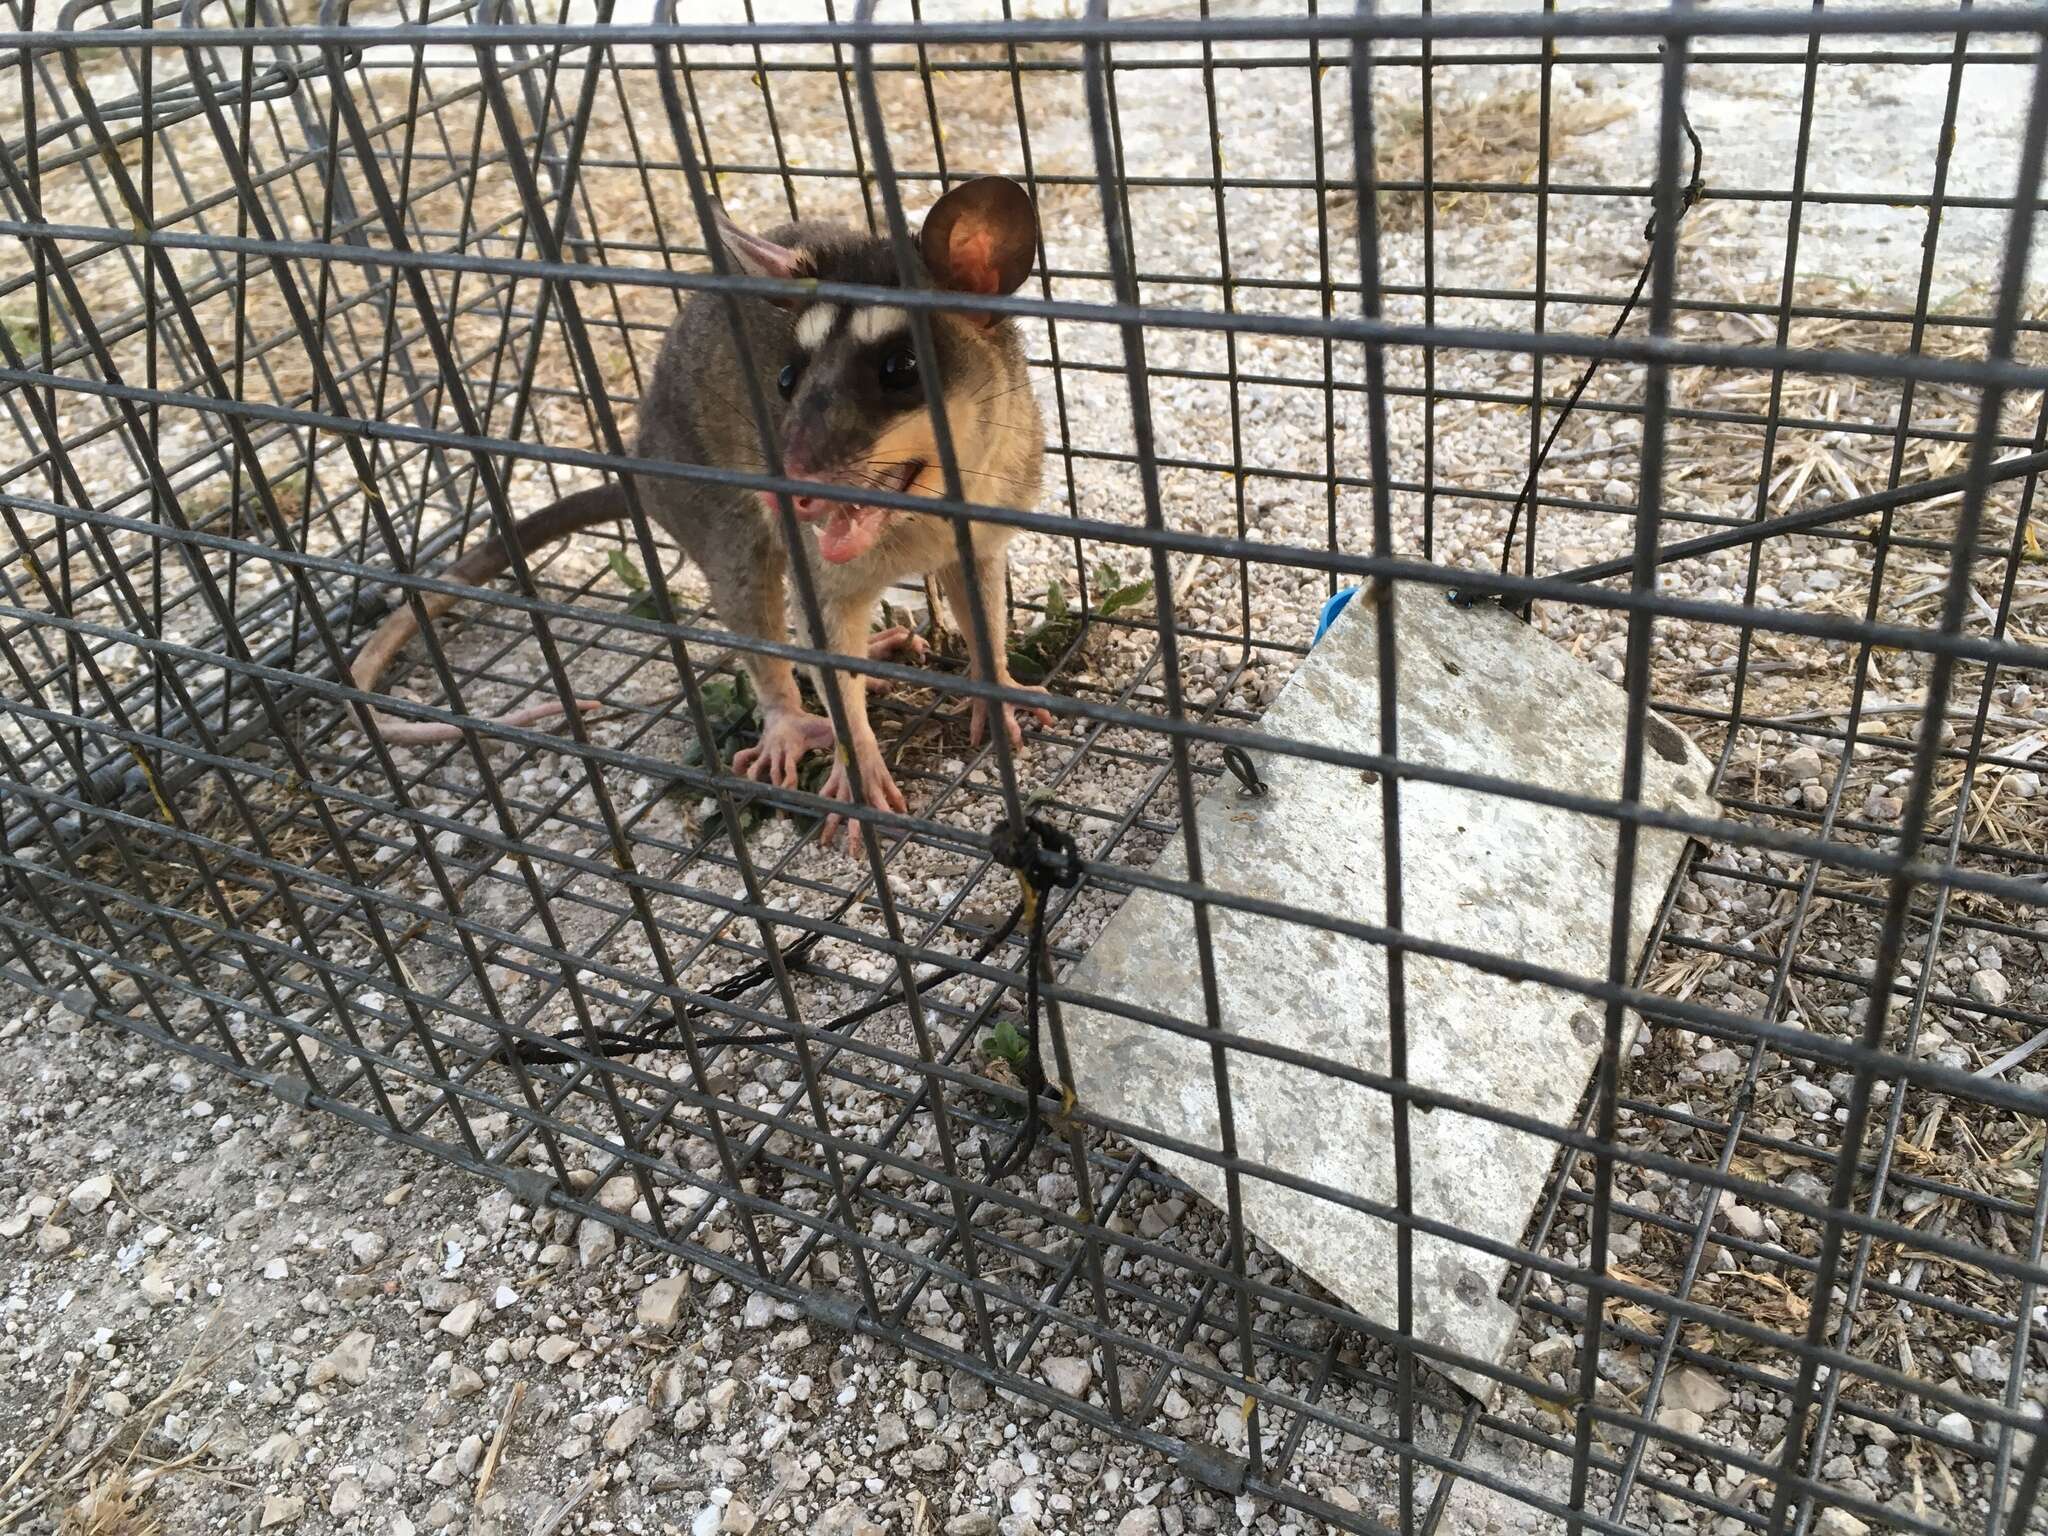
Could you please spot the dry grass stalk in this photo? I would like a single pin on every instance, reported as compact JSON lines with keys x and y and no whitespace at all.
{"x":112,"y":1506}
{"x":124,"y":1440}
{"x":490,"y":1466}
{"x":74,"y":1393}
{"x":1494,"y":138}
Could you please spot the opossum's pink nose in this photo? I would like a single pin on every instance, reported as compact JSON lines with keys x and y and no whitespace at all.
{"x":809,"y":509}
{"x":800,"y":455}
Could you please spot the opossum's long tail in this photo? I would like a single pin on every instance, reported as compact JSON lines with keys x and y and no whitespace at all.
{"x":572,"y":514}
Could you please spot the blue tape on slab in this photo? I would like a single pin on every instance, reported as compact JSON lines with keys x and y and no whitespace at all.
{"x":1331,"y":609}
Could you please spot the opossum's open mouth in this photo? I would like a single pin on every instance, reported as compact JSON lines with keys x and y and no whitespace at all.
{"x":849,"y":531}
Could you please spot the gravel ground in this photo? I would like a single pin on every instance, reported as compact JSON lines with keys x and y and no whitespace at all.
{"x":330,"y":1332}
{"x":294,"y":1325}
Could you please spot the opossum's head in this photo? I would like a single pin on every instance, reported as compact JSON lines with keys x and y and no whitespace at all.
{"x":853,"y":379}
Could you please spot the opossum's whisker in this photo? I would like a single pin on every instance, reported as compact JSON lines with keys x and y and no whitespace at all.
{"x":989,"y":474}
{"x":980,"y":474}
{"x":906,"y":463}
{"x":867,"y":477}
{"x":999,"y":394}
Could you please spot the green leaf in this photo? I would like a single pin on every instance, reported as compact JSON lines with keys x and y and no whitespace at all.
{"x":1113,"y":595}
{"x":721,"y":699}
{"x":813,"y":771}
{"x":25,"y":332}
{"x":647,"y":603}
{"x":1033,"y":653}
{"x":1008,"y":1043}
{"x":627,"y":572}
{"x":729,"y":705}
{"x":1115,"y":601}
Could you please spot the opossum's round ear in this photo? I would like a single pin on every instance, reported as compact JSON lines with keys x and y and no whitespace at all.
{"x":753,"y":255}
{"x":981,"y":237}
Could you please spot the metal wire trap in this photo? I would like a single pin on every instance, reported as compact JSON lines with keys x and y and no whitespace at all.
{"x":313,"y":303}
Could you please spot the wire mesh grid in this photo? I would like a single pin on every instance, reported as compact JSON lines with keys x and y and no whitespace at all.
{"x":303,"y":300}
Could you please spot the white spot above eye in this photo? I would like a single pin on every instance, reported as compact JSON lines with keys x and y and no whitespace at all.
{"x":879,"y":320}
{"x":815,"y":324}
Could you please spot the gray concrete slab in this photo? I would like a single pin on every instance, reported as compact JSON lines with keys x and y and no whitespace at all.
{"x":1476,"y":690}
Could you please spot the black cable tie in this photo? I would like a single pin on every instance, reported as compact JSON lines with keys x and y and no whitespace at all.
{"x":1045,"y":858}
{"x":1239,"y":762}
{"x":1689,"y":196}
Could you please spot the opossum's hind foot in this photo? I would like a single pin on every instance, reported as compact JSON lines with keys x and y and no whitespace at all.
{"x":900,"y":645}
{"x":787,"y":737}
{"x":978,"y":716}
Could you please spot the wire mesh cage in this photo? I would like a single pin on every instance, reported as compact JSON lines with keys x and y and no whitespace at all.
{"x":1703,"y":341}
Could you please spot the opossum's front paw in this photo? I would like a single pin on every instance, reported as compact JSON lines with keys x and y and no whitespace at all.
{"x":880,"y":790}
{"x":977,"y":726}
{"x":787,"y":737}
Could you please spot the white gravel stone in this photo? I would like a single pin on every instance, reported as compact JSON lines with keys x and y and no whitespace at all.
{"x":661,"y":1304}
{"x":1068,"y":1374}
{"x":627,"y":1428}
{"x":348,"y":1361}
{"x":1694,"y":1389}
{"x":459,"y":1323}
{"x":595,"y":1243}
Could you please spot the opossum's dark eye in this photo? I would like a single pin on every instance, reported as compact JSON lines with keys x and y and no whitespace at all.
{"x":786,"y":380}
{"x":899,"y":370}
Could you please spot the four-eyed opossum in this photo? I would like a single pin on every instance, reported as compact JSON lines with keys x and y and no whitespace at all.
{"x":849,"y":409}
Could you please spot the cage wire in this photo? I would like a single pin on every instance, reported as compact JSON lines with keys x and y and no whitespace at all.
{"x":1704,"y":338}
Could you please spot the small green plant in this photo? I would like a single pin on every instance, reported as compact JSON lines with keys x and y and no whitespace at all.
{"x":734,"y":714}
{"x":1037,"y":650}
{"x":25,"y":332}
{"x":1007,"y":1043}
{"x":644,"y":604}
{"x":1113,"y":594}
{"x":1004,"y":1052}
